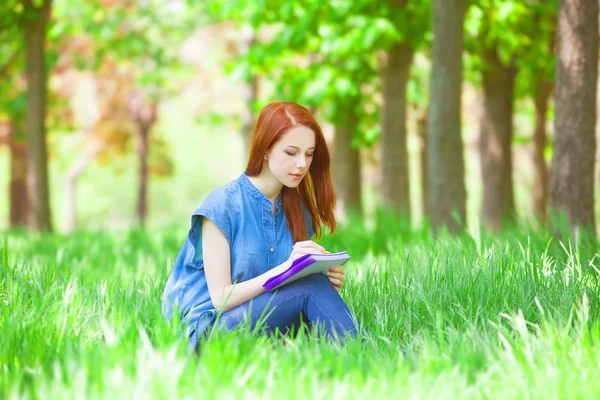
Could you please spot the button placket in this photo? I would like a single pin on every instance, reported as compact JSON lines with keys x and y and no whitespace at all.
{"x":269,"y":231}
{"x":274,"y":241}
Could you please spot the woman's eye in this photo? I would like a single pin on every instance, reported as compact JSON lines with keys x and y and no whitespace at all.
{"x":309,"y":155}
{"x":290,"y":153}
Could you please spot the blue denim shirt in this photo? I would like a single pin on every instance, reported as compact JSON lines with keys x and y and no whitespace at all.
{"x":258,"y":240}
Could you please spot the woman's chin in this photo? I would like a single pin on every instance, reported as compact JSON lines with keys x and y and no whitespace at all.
{"x":291,"y":183}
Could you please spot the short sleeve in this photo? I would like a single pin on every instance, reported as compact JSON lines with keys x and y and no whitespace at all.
{"x":310,"y":230}
{"x":216,"y":209}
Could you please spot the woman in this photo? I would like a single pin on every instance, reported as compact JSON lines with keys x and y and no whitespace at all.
{"x":253,"y":228}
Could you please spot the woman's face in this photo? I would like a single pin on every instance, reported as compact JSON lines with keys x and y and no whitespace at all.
{"x":289,"y":159}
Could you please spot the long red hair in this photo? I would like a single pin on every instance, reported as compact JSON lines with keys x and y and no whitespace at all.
{"x":316,"y":189}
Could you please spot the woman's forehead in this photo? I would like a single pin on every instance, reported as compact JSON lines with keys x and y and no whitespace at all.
{"x":298,"y":136}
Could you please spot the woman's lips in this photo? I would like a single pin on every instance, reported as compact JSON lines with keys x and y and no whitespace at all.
{"x":296,"y":176}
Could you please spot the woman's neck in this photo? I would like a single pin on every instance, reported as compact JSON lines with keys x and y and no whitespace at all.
{"x":267,"y":184}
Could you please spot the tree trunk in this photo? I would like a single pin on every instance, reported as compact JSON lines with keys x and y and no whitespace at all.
{"x":394,"y":156}
{"x":446,"y":162}
{"x":347,"y":170}
{"x":423,"y":156}
{"x":19,"y":203}
{"x":598,"y":133}
{"x":540,"y":168}
{"x":248,"y":113}
{"x":92,"y":148}
{"x":251,"y":92}
{"x":142,"y":204}
{"x":145,"y":117}
{"x":496,"y":139}
{"x":35,"y":35}
{"x":572,"y":171}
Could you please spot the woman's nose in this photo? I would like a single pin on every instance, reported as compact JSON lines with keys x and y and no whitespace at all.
{"x":301,"y":163}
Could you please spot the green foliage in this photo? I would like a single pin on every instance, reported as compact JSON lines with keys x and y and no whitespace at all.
{"x":145,"y":34}
{"x":13,"y":95}
{"x":523,"y":33}
{"x":324,"y":54}
{"x":17,"y":105}
{"x":11,"y":56}
{"x":499,"y":24}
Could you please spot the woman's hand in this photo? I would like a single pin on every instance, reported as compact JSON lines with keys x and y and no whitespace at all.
{"x":299,"y":249}
{"x":337,"y":276}
{"x":305,"y":247}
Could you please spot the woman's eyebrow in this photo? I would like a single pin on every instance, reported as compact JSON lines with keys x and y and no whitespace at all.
{"x":296,"y":147}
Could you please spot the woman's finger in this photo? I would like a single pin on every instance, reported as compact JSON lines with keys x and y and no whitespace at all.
{"x":336,"y":282}
{"x":309,"y":243}
{"x":338,"y":270}
{"x":306,"y":250}
{"x":339,"y":277}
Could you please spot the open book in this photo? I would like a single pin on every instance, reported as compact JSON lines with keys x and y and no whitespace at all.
{"x":306,"y":265}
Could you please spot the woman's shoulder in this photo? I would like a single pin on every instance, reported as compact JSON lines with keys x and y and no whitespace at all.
{"x":224,"y":192}
{"x":221,"y":197}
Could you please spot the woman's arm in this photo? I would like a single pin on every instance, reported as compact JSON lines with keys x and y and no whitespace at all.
{"x":217,"y":265}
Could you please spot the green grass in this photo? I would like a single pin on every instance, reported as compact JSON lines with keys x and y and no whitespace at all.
{"x":478,"y":316}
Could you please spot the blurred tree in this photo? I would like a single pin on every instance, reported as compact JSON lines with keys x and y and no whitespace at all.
{"x":13,"y":107}
{"x":423,"y":156}
{"x":14,"y":104}
{"x":412,"y":20}
{"x":418,"y":99}
{"x":17,"y":143}
{"x":145,"y":114}
{"x":240,"y":36}
{"x":251,"y":90}
{"x":108,"y":128}
{"x":497,"y":43}
{"x":447,"y":192}
{"x":24,"y":25}
{"x":536,"y":79}
{"x":346,"y":158}
{"x":541,"y":99}
{"x":23,"y":33}
{"x":572,"y":170}
{"x":500,"y":40}
{"x":32,"y":17}
{"x":145,"y":37}
{"x":123,"y":31}
{"x":598,"y":134}
{"x":12,"y":135}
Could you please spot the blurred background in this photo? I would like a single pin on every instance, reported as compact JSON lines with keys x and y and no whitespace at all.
{"x":115,"y":114}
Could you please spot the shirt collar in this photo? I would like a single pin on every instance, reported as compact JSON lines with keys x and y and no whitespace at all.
{"x":257,"y":194}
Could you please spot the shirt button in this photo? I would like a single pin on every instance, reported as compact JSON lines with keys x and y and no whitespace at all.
{"x":267,"y":222}
{"x":271,"y":249}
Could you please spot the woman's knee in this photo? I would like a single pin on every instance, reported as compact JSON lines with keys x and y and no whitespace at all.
{"x":231,"y":319}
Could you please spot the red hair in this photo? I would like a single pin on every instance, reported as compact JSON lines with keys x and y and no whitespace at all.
{"x":316,"y":189}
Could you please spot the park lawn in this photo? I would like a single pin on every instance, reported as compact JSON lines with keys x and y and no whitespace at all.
{"x":478,"y":316}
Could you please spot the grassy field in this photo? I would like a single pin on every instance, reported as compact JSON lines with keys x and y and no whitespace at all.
{"x":511,"y":316}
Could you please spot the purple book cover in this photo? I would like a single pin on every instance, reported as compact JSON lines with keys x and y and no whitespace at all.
{"x":306,"y":265}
